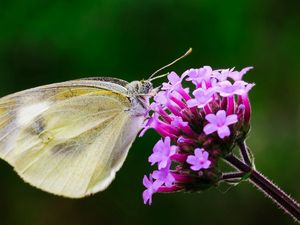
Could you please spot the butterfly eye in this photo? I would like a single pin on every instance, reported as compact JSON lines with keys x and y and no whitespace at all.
{"x":146,"y":87}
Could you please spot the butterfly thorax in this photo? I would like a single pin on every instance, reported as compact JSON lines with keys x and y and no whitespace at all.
{"x":139,"y":93}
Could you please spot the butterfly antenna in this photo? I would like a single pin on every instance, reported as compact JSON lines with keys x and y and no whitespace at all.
{"x":170,"y":64}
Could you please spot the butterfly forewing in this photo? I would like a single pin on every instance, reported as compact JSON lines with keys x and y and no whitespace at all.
{"x":68,"y":139}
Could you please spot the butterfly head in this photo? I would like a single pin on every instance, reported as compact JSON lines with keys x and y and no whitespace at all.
{"x":143,"y":87}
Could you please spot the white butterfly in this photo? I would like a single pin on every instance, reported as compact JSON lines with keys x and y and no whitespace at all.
{"x":71,"y":138}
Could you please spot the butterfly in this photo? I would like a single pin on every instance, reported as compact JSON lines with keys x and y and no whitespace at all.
{"x":71,"y":138}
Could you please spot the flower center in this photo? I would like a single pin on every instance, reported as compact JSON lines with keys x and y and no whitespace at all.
{"x":220,"y":122}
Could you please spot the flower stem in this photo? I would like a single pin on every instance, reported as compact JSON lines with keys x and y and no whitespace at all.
{"x":244,"y":152}
{"x":234,"y":175}
{"x":284,"y":201}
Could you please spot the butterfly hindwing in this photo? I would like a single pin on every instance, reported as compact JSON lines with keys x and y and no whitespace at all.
{"x":68,"y":140}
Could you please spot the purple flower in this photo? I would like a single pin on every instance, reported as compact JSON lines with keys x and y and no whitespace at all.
{"x":219,"y":123}
{"x":185,"y":121}
{"x":161,"y":98}
{"x":151,"y":189}
{"x":199,"y":160}
{"x":174,"y":82}
{"x":161,"y":126}
{"x":226,"y":88}
{"x":199,"y":75}
{"x":178,"y":122}
{"x":222,"y":75}
{"x":164,"y":176}
{"x":170,"y":100}
{"x":202,"y":97}
{"x":239,"y":75}
{"x":162,"y":152}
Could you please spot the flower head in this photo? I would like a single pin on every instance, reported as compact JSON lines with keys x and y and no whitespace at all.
{"x":187,"y":112}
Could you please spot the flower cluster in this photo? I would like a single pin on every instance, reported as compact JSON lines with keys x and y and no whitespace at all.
{"x":200,"y":116}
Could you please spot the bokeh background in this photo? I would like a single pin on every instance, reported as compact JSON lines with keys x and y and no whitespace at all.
{"x":50,"y":41}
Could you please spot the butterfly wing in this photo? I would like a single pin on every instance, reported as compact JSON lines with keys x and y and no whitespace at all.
{"x":67,"y":139}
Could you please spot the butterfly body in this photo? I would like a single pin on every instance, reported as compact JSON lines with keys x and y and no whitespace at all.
{"x":71,"y":138}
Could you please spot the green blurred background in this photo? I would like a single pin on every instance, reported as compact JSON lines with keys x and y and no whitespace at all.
{"x":50,"y":41}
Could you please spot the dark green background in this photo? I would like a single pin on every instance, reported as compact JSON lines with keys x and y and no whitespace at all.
{"x":49,"y":41}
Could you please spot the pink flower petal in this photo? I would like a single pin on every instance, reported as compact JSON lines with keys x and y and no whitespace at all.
{"x":196,"y":167}
{"x":210,"y":128}
{"x":154,"y":158}
{"x":147,"y":196}
{"x":206,"y":164}
{"x":211,"y":118}
{"x":221,"y":114}
{"x":163,"y":163}
{"x":223,"y":132}
{"x":240,"y":75}
{"x":198,"y":153}
{"x":205,"y":154}
{"x":146,"y":181}
{"x":191,"y":159}
{"x":231,"y":119}
{"x":173,"y":78}
{"x":167,"y":142}
{"x":192,"y":103}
